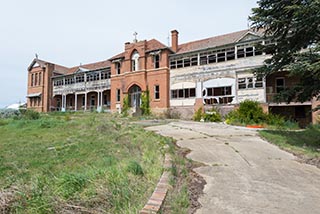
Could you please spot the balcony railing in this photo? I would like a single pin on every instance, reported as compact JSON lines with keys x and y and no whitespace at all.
{"x":82,"y":87}
{"x":274,"y":98}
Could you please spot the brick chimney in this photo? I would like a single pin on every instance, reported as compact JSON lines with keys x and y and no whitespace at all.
{"x":174,"y":40}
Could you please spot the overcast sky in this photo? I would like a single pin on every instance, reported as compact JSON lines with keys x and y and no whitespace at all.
{"x":70,"y":32}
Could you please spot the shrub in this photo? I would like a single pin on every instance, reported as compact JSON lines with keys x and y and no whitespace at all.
{"x":126,"y":106}
{"x":198,"y":115}
{"x":30,"y":114}
{"x":9,"y":113}
{"x":212,"y":116}
{"x":251,"y":112}
{"x":145,"y":103}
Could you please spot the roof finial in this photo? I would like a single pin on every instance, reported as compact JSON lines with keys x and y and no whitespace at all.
{"x":135,"y":37}
{"x":36,"y":56}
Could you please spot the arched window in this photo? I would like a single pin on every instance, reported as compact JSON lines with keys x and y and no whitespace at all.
{"x":135,"y":61}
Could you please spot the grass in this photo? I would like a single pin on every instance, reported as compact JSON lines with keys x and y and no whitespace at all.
{"x":90,"y":163}
{"x":305,"y":142}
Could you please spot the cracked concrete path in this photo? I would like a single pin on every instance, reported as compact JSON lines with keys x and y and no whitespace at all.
{"x":244,"y":173}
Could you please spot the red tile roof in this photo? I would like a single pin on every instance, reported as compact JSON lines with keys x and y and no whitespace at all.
{"x":215,"y":41}
{"x":154,"y":44}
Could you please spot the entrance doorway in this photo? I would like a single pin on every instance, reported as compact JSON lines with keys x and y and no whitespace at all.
{"x":135,"y":97}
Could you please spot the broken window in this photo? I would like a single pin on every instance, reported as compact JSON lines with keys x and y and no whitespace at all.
{"x":230,"y":54}
{"x":174,"y":94}
{"x":242,"y":83}
{"x":212,"y":58}
{"x":187,"y":62}
{"x":221,"y":57}
{"x":194,"y":61}
{"x":203,"y":60}
{"x":179,"y":63}
{"x":173,"y":64}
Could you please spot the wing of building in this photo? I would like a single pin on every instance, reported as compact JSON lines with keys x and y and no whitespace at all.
{"x":216,"y":71}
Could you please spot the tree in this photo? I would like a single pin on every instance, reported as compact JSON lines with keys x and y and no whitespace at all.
{"x":295,"y":27}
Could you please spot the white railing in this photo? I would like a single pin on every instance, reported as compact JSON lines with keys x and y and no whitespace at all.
{"x":82,"y":87}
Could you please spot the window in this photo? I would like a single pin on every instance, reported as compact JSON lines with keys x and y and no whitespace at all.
{"x":183,"y":93}
{"x":135,"y":61}
{"x":36,"y":79}
{"x":280,"y":84}
{"x":218,"y":91}
{"x":173,"y":64}
{"x":242,"y":84}
{"x":258,"y":82}
{"x":230,"y":54}
{"x":40,"y":77}
{"x":250,"y":82}
{"x":221,"y":57}
{"x":105,"y":74}
{"x":156,"y":92}
{"x":203,"y":60}
{"x":32,"y":79}
{"x":156,"y":59}
{"x":118,"y":68}
{"x":118,"y":95}
{"x":79,"y":78}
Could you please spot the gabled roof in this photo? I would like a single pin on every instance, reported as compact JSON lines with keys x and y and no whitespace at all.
{"x":216,"y":41}
{"x":154,"y":44}
{"x":58,"y":68}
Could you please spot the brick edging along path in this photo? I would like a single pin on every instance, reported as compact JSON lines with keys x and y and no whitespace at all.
{"x":156,"y":200}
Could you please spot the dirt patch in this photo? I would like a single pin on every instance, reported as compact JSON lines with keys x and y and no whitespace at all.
{"x":6,"y":199}
{"x":195,"y":183}
{"x":308,"y":160}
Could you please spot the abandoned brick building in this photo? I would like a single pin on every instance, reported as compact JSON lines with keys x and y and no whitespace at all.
{"x":214,"y":71}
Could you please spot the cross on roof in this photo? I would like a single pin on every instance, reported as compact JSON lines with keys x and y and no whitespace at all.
{"x":135,"y":35}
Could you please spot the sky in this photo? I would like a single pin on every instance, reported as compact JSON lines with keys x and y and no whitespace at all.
{"x":70,"y":32}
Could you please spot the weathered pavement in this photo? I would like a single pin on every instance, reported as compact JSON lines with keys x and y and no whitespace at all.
{"x":244,"y":173}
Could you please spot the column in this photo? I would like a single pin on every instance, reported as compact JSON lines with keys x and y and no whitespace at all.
{"x":85,"y":101}
{"x":75,"y":102}
{"x":63,"y":108}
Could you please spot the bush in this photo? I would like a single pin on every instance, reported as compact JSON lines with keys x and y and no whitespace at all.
{"x":9,"y":113}
{"x":30,"y":114}
{"x":145,"y":103}
{"x":126,"y":106}
{"x":212,"y":116}
{"x":198,"y":115}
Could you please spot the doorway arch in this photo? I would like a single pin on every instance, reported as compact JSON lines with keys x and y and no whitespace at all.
{"x":134,"y":94}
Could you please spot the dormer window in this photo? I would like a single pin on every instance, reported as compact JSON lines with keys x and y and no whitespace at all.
{"x":118,"y":68}
{"x":135,"y":61}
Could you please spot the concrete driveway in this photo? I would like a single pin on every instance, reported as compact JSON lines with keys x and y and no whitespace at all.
{"x":244,"y":173}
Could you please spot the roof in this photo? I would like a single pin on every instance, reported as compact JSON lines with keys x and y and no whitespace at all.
{"x":58,"y":68}
{"x":216,"y":41}
{"x":154,"y":44}
{"x":91,"y":66}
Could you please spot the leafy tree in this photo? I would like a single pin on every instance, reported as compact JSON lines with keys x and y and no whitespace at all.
{"x":295,"y":27}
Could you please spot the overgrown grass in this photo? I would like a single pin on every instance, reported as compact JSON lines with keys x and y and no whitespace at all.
{"x":94,"y":163}
{"x":305,"y":142}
